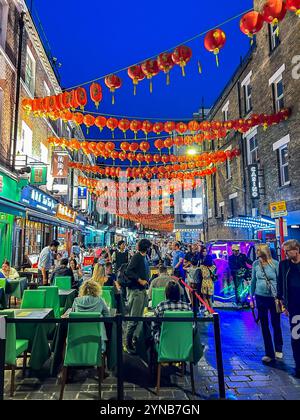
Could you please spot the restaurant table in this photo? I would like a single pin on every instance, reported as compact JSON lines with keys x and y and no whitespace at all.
{"x":36,"y":334}
{"x":66,"y":298}
{"x":145,"y":347}
{"x":59,"y":341}
{"x":16,"y":287}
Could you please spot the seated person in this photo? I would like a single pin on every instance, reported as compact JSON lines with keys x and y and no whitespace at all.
{"x":89,"y":300}
{"x":111,"y":277}
{"x":64,"y":271}
{"x":26,"y":262}
{"x":9,"y":272}
{"x":99,"y":274}
{"x":77,"y":273}
{"x":173,"y":303}
{"x":162,"y":280}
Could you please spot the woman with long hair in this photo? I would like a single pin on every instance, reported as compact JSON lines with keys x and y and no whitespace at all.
{"x":264,"y":288}
{"x":207,"y":278}
{"x":99,"y":274}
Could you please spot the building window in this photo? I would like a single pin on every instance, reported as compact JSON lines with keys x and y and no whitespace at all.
{"x":252,"y":147}
{"x":3,"y":22}
{"x":25,"y":144}
{"x":228,"y":169}
{"x":284,"y":165}
{"x":221,"y":206}
{"x":278,"y":94}
{"x":274,"y":37}
{"x":47,"y":91}
{"x":248,"y":97}
{"x":30,"y":71}
{"x":225,"y":111}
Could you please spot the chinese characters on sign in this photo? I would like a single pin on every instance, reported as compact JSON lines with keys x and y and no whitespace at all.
{"x":37,"y":199}
{"x":254,"y":181}
{"x":38,"y":175}
{"x":60,"y":165}
{"x":82,"y":193}
{"x":65,"y":213}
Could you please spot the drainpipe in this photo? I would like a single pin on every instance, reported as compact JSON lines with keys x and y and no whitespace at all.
{"x":243,"y":152}
{"x":18,"y":91}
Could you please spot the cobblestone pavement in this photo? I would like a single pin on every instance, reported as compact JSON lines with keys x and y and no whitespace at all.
{"x":246,"y":377}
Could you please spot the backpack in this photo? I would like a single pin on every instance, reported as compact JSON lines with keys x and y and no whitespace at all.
{"x":122,"y":278}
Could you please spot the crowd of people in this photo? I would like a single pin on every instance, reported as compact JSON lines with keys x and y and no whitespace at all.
{"x":275,"y":286}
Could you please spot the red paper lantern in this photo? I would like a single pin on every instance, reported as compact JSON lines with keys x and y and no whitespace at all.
{"x":89,"y":121}
{"x":156,"y":158}
{"x":181,"y":56}
{"x":112,"y":124}
{"x":100,"y":147}
{"x":214,"y":41}
{"x":251,"y":23}
{"x":150,"y":69}
{"x":165,"y":64}
{"x":147,"y":127}
{"x":113,"y":82}
{"x":178,"y":141}
{"x":169,"y":143}
{"x":148,"y":159}
{"x":124,"y":125}
{"x":110,"y":146}
{"x":181,"y":128}
{"x":144,"y":146}
{"x":135,"y":126}
{"x":140,"y":157}
{"x":78,"y":118}
{"x":114,"y":155}
{"x":274,"y":12}
{"x":131,"y":156}
{"x":96,"y":93}
{"x":159,"y":144}
{"x":80,"y":98}
{"x":137,"y":75}
{"x":125,"y":146}
{"x":100,"y":122}
{"x":193,"y":126}
{"x":122,"y":156}
{"x":169,"y":127}
{"x":92,"y":147}
{"x":134,"y":147}
{"x":158,"y":128}
{"x":293,"y":6}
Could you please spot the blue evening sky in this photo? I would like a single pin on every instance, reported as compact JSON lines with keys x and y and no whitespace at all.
{"x":95,"y":37}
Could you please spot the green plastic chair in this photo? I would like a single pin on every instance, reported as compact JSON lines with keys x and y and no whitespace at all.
{"x":108,"y":295}
{"x":63,"y":283}
{"x":3,"y":284}
{"x":158,"y":296}
{"x":83,"y":347}
{"x":52,"y":299}
{"x":33,"y":299}
{"x":176,"y":343}
{"x":14,"y":349}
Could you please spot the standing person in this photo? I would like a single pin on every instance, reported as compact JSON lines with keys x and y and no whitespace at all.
{"x":207,"y":278}
{"x":264,"y":287}
{"x":120,"y":256}
{"x":238,"y":268}
{"x":289,"y":293}
{"x":178,"y":258}
{"x":138,"y":274}
{"x":76,"y":250}
{"x":46,"y":261}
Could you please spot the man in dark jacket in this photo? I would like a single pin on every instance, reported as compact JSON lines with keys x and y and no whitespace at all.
{"x":64,"y":271}
{"x":239,"y":270}
{"x":138,"y":274}
{"x":289,"y":293}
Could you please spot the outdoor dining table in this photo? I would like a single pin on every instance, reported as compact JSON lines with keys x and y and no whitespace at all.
{"x":59,"y":341}
{"x":37,"y":334}
{"x":66,"y":298}
{"x":16,"y":287}
{"x":145,"y":346}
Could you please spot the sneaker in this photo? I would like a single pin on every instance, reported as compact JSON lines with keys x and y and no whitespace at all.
{"x":267,"y":359}
{"x":279,"y":355}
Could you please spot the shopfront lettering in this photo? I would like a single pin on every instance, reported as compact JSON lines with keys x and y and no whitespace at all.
{"x":254,"y":181}
{"x":65,"y":213}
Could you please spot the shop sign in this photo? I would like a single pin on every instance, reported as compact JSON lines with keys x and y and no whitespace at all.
{"x":1,"y":183}
{"x":82,"y":193}
{"x":37,"y":199}
{"x":254,"y":181}
{"x":60,"y":164}
{"x":278,"y":209}
{"x":38,"y":175}
{"x":65,"y":213}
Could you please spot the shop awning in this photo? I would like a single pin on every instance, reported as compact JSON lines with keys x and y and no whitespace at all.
{"x":11,"y":207}
{"x":41,"y":217}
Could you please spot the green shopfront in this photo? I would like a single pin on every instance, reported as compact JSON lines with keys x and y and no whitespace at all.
{"x":11,"y":211}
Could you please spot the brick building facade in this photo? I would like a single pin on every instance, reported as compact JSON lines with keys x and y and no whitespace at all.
{"x":267,"y":81}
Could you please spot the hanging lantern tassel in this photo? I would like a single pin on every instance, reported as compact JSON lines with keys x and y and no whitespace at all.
{"x":216,"y":52}
{"x":151,"y":85}
{"x":113,"y":96}
{"x":168,"y":78}
{"x":199,"y":67}
{"x":113,"y":133}
{"x":182,"y":65}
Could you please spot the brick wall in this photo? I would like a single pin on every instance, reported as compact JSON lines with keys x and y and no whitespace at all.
{"x":263,"y":64}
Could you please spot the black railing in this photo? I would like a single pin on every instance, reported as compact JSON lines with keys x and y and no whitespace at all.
{"x":118,"y":320}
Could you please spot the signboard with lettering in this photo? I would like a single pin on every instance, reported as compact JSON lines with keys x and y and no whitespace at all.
{"x":82,"y":193}
{"x":254,"y":181}
{"x":38,"y":175}
{"x":278,"y":209}
{"x":60,"y":167}
{"x":35,"y":198}
{"x":65,"y":213}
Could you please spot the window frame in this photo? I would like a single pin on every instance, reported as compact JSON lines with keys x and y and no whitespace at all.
{"x":282,"y":166}
{"x":276,"y":98}
{"x":273,"y":37}
{"x":249,"y":137}
{"x":31,"y":85}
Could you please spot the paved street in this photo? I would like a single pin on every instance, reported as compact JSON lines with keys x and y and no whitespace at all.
{"x":246,"y":378}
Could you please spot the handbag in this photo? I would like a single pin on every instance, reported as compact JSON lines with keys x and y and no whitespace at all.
{"x":278,"y":304}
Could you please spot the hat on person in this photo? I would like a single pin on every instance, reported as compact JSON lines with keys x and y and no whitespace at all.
{"x":235,"y":247}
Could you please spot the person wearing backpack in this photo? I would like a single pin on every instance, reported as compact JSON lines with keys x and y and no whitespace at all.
{"x":264,"y":288}
{"x":138,"y":275}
